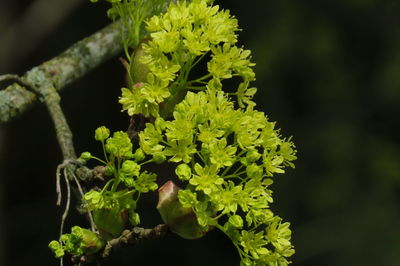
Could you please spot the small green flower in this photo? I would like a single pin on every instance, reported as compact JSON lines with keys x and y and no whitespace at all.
{"x":254,"y":243}
{"x":187,"y":198}
{"x":206,"y":178}
{"x":119,"y":145}
{"x":245,"y":94}
{"x":279,"y":234}
{"x":227,"y":200}
{"x":228,"y":60}
{"x":155,"y":90}
{"x":94,"y":200}
{"x":180,"y":150}
{"x":145,"y":182}
{"x":149,"y":140}
{"x":221,"y":154}
{"x":208,"y":135}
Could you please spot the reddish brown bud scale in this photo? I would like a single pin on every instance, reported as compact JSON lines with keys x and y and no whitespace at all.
{"x":182,"y":221}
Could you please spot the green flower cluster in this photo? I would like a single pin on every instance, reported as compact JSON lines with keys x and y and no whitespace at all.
{"x":79,"y":242}
{"x":132,"y":13}
{"x":114,"y":206}
{"x":225,"y":151}
{"x":179,"y":40}
{"x":227,"y":156}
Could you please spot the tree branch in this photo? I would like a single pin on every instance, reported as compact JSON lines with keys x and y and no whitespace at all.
{"x":62,"y":70}
{"x":128,"y":237}
{"x":64,"y":134}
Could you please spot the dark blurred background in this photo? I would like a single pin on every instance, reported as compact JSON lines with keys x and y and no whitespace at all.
{"x":327,"y":71}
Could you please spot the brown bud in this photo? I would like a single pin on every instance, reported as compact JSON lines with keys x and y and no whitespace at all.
{"x":182,"y":221}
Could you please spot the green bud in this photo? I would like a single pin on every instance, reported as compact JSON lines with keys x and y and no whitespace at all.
{"x":79,"y":242}
{"x":109,"y":171}
{"x":183,"y":171}
{"x":110,"y":222}
{"x":236,"y":221}
{"x":56,"y":247}
{"x":85,"y":156}
{"x":128,"y":180}
{"x":254,"y":171}
{"x":160,"y":124}
{"x":134,"y":218}
{"x":159,"y":157}
{"x":90,"y":242}
{"x":138,"y":70}
{"x":252,"y":156}
{"x":130,"y":168}
{"x":139,"y":155}
{"x":102,"y":133}
{"x":182,"y":221}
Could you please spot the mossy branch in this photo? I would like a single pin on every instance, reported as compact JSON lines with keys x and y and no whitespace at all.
{"x":128,"y":237}
{"x":64,"y":134}
{"x":60,"y":71}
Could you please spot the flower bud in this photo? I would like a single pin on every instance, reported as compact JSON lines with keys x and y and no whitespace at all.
{"x":90,"y":242}
{"x":110,"y":222}
{"x":138,"y":70}
{"x":57,"y":249}
{"x":109,"y":171}
{"x":139,"y":155}
{"x":182,"y":221}
{"x":79,"y":242}
{"x":159,"y":157}
{"x":130,"y":168}
{"x":183,"y":171}
{"x":101,"y":133}
{"x":252,"y":155}
{"x":85,"y":156}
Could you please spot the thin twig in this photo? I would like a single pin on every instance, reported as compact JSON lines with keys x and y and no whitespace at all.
{"x":58,"y":178}
{"x":66,"y":210}
{"x":58,"y":184}
{"x":92,"y":224}
{"x":9,"y":77}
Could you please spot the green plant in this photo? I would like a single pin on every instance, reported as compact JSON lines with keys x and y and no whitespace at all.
{"x":223,"y":149}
